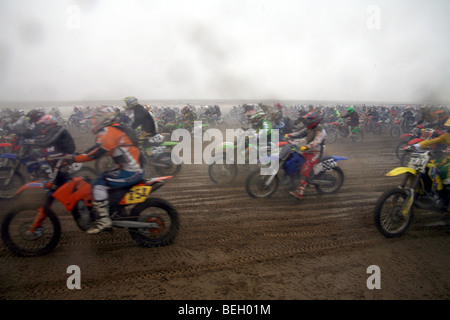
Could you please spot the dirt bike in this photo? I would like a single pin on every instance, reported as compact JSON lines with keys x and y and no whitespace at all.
{"x":226,"y":172}
{"x":401,"y":125}
{"x":426,"y":134}
{"x":326,"y":176}
{"x":421,"y":188}
{"x":339,"y":128}
{"x":10,"y":143}
{"x":33,"y":229}
{"x":11,"y":177}
{"x":83,"y":125}
{"x":155,"y":156}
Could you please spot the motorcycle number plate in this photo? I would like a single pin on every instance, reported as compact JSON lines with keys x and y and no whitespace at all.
{"x":137,"y":194}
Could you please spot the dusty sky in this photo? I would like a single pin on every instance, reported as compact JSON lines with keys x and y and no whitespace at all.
{"x":397,"y":50}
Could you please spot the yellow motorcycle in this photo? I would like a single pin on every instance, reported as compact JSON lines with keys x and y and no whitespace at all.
{"x":421,"y":188}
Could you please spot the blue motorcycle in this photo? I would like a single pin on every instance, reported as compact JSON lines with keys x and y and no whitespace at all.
{"x":36,"y":168}
{"x":326,"y":176}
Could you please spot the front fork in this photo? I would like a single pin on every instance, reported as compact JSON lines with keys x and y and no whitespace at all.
{"x":406,"y":207}
{"x":41,"y":214}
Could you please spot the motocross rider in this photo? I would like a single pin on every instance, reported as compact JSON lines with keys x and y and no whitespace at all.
{"x":259,"y":122}
{"x":444,"y":163}
{"x":50,"y":135}
{"x":354,"y":119}
{"x":120,"y":143}
{"x":315,"y":145}
{"x":142,"y":117}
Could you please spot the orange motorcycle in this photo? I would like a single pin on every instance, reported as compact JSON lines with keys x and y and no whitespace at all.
{"x":31,"y":230}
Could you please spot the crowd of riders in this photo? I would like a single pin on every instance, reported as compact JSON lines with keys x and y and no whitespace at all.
{"x":116,"y":133}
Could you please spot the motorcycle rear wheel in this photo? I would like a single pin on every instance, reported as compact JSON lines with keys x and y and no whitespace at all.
{"x":336,"y":178}
{"x":256,"y":185}
{"x":165,"y":218}
{"x":164,"y":165}
{"x":358,"y":136}
{"x":387,"y":214}
{"x":331,"y":135}
{"x":18,"y":239}
{"x":8,"y":189}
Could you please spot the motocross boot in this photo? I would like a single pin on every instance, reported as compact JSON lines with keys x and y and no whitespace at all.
{"x":103,"y":221}
{"x":298,"y":193}
{"x":350,"y":133}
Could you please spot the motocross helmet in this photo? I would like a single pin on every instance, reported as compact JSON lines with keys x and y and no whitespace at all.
{"x":46,"y":122}
{"x":131,"y":102}
{"x":255,"y":117}
{"x":350,"y":110}
{"x":311,"y":120}
{"x":103,"y":116}
{"x":34,"y":115}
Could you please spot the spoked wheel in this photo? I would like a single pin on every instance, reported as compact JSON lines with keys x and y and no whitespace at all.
{"x":164,"y":221}
{"x":9,"y":184}
{"x":395,"y":132}
{"x":222,"y":173}
{"x":257,"y":185}
{"x":358,"y":136}
{"x":334,"y":181}
{"x":331,"y":135}
{"x":388,"y":216}
{"x":18,"y":238}
{"x":164,"y":165}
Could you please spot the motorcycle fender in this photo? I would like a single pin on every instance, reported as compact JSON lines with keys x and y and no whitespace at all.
{"x":30,"y":185}
{"x":338,"y":158}
{"x":414,"y":141}
{"x":405,"y":135}
{"x":267,"y":159}
{"x":169,"y":143}
{"x":401,"y":170}
{"x":9,"y":155}
{"x":5,"y":144}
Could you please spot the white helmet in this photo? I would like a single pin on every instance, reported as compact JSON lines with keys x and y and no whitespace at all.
{"x":103,"y":116}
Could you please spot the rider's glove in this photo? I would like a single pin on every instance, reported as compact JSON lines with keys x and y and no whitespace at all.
{"x":303,"y":148}
{"x":287,"y":136}
{"x":417,"y":147}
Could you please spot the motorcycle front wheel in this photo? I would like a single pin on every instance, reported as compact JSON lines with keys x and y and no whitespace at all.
{"x":222,"y":173}
{"x":164,"y":219}
{"x":257,"y":187}
{"x":388,"y":216}
{"x":21,"y":242}
{"x":395,"y":132}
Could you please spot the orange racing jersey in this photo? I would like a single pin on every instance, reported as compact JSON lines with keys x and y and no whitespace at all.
{"x":118,"y":145}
